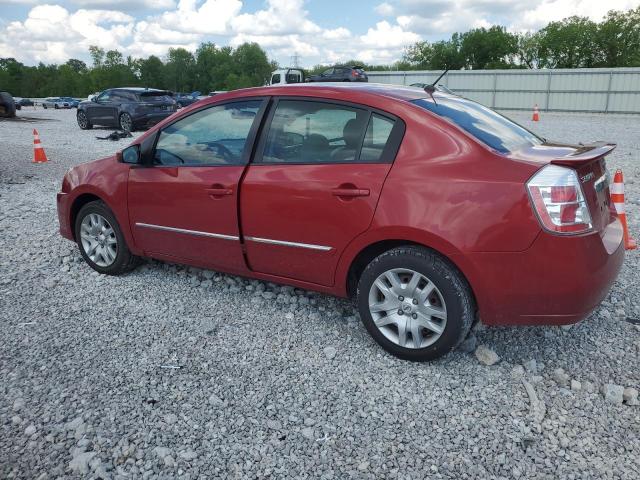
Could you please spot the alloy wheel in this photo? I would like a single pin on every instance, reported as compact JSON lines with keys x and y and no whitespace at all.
{"x":99,"y":240}
{"x":407,"y":308}
{"x":82,"y":120}
{"x":125,"y":122}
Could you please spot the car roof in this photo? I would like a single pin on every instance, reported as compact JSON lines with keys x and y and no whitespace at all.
{"x":325,"y":89}
{"x":136,"y":89}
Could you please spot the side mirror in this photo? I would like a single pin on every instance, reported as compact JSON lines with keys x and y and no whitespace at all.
{"x":130,"y":155}
{"x":94,"y":99}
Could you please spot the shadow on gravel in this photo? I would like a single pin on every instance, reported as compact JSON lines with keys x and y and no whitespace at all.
{"x":21,"y":119}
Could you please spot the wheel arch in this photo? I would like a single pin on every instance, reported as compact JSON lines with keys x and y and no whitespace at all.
{"x":367,"y":251}
{"x":79,"y":202}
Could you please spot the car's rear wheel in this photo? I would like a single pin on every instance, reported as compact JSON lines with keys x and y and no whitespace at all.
{"x":44,"y":106}
{"x":83,"y":120}
{"x":55,"y":106}
{"x":126,"y":123}
{"x":415,"y":304}
{"x":100,"y":240}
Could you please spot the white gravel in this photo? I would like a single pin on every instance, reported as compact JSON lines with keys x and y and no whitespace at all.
{"x":176,"y":372}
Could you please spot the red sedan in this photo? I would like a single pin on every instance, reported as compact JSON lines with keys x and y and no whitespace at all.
{"x":431,"y":210}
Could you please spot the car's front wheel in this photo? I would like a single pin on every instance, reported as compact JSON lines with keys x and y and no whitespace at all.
{"x":55,"y":106}
{"x":126,"y":123}
{"x":83,"y":120}
{"x":415,"y":304}
{"x":100,"y":240}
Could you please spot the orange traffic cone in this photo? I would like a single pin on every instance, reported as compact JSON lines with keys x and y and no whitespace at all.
{"x":617,"y":197}
{"x":536,"y":113}
{"x":38,"y":152}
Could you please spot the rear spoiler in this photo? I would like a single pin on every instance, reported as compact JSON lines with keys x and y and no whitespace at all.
{"x":585,"y":154}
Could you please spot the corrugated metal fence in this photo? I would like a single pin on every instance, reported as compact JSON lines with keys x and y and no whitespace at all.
{"x":607,"y":90}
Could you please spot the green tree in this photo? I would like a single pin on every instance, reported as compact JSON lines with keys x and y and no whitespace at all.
{"x":484,"y":48}
{"x":179,"y":70}
{"x":97,"y":55}
{"x":570,"y":43}
{"x":618,"y":39}
{"x":150,"y":72}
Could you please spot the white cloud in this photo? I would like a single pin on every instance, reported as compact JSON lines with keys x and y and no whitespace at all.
{"x":384,"y":9}
{"x":385,"y":35}
{"x":51,"y":34}
{"x":211,"y":17}
{"x":339,"y":33}
{"x":281,"y":17}
{"x":125,"y":5}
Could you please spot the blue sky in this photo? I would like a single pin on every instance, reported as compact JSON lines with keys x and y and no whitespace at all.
{"x":319,"y":31}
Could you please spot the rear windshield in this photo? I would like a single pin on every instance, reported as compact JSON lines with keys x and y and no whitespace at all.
{"x":489,"y":127}
{"x":155,"y":96}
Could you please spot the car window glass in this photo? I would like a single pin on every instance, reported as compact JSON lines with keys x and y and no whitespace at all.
{"x":275,"y":78}
{"x":104,"y":97}
{"x":215,"y":136}
{"x":328,"y":71}
{"x":486,"y":125}
{"x":376,"y":138}
{"x":314,"y":132}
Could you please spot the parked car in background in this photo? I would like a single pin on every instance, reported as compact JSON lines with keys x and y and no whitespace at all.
{"x":440,"y":87}
{"x":126,"y":108}
{"x":55,"y":102}
{"x":186,"y":99}
{"x":73,"y":102}
{"x":286,"y":75}
{"x":7,"y":105}
{"x":353,"y":73}
{"x":22,"y":102}
{"x":483,"y":219}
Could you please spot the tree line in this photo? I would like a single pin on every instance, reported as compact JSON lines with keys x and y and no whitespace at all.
{"x":575,"y":42}
{"x":209,"y":68}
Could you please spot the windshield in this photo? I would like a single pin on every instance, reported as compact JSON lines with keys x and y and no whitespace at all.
{"x":489,"y":127}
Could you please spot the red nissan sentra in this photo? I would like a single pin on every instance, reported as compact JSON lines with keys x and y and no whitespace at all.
{"x":430,"y":209}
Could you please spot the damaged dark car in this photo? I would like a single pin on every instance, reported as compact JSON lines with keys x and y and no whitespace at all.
{"x":7,"y":105}
{"x":126,"y":108}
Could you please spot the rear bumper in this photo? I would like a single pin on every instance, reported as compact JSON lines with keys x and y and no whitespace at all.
{"x":64,"y":215}
{"x":150,"y":119}
{"x":558,"y":280}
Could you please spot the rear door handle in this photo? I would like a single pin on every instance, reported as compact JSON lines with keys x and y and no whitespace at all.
{"x":350,"y":192}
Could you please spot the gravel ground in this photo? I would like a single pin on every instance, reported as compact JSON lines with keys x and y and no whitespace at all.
{"x":178,"y":372}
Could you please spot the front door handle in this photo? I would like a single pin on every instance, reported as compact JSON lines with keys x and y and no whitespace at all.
{"x":218,"y":190}
{"x":350,"y":192}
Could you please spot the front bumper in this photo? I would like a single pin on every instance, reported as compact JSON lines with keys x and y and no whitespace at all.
{"x":64,"y":215}
{"x":557,"y":281}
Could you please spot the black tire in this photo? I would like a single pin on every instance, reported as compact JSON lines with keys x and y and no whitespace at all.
{"x":83,"y":120}
{"x":124,"y":261}
{"x":455,"y":291}
{"x":55,"y":106}
{"x":44,"y":106}
{"x":126,"y":122}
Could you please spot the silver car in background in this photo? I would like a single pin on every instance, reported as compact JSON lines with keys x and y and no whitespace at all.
{"x":55,"y":102}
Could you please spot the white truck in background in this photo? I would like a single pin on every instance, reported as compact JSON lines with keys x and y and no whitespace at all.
{"x":286,"y":75}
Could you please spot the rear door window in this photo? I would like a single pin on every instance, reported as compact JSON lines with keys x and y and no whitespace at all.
{"x":275,"y":79}
{"x":214,"y":136}
{"x":314,"y":132}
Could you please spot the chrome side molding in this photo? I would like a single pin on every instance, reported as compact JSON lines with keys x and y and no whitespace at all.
{"x":188,"y":232}
{"x":289,"y":244}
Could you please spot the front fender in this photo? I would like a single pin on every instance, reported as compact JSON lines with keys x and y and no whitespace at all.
{"x":107,"y":180}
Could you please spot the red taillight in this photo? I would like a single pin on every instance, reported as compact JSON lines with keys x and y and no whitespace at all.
{"x":354,"y":73}
{"x":558,"y":200}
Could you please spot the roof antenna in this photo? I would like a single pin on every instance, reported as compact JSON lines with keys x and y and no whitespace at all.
{"x":430,"y":89}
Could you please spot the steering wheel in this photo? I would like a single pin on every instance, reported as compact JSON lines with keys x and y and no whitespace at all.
{"x":222,"y":151}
